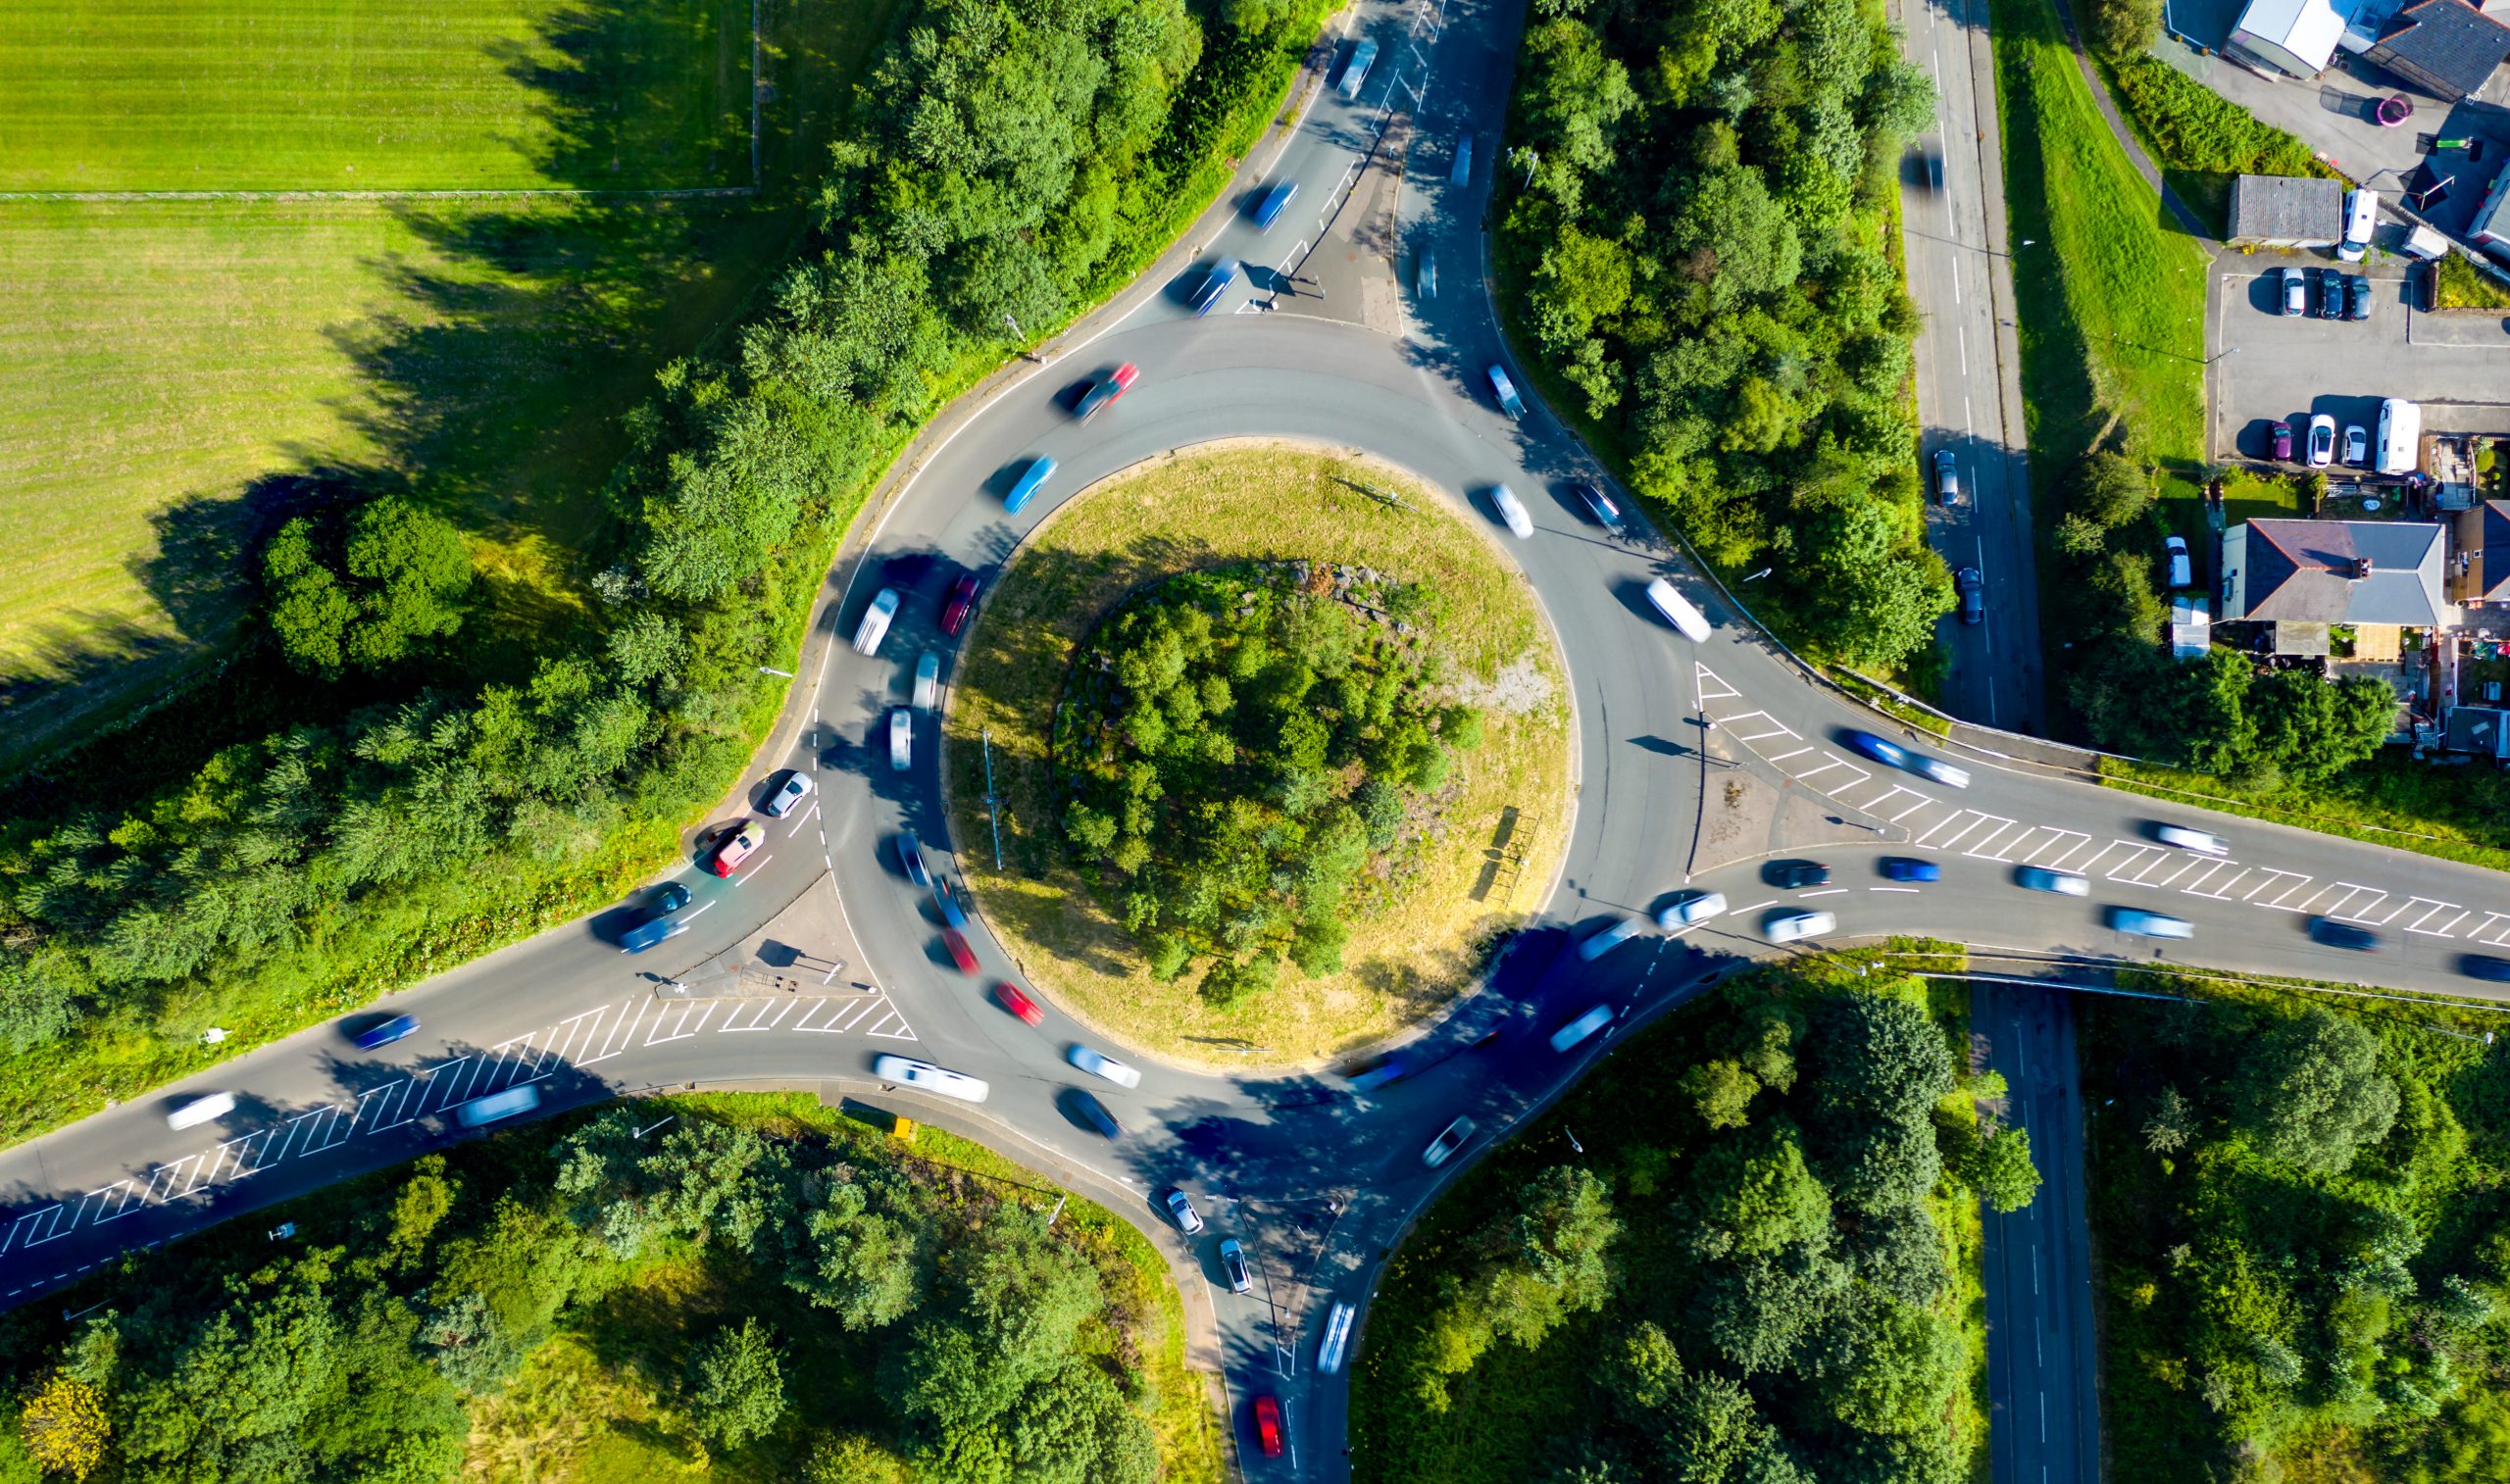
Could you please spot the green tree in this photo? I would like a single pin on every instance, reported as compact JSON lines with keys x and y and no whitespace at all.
{"x":1998,"y":1167}
{"x":1870,"y":594}
{"x":2310,"y":1091}
{"x":1890,"y":1366}
{"x":736,"y":1389}
{"x":2111,"y":490}
{"x":856,"y":1260}
{"x":1754,"y":1195}
{"x":1722,"y":1091}
{"x":365,"y":592}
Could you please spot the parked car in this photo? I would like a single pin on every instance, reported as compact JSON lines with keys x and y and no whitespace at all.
{"x":1512,"y":511}
{"x":874,"y":626}
{"x":2064,"y":883}
{"x":1091,"y":1061}
{"x":498,"y":1105}
{"x":2282,"y":444}
{"x":1017,"y":1003}
{"x":1450,"y":1139}
{"x":1032,"y":479}
{"x":901,"y":738}
{"x":1904,"y":869}
{"x":2331,"y":294}
{"x":2296,"y":291}
{"x":1947,"y":476}
{"x":2357,"y":303}
{"x":1506,"y":391}
{"x":1269,"y":205}
{"x":2357,"y":445}
{"x":1215,"y":285}
{"x":2134,"y":921}
{"x":1793,"y":875}
{"x":1605,"y":939}
{"x":932,"y":1078}
{"x":2181,"y":837}
{"x":789,"y":795}
{"x":1599,"y":505}
{"x":394,"y":1029}
{"x":2174,"y":549}
{"x":911,"y":861}
{"x":1582,"y":1028}
{"x":1105,"y":393}
{"x":199,"y":1110}
{"x":1690,"y":908}
{"x":1097,"y":1116}
{"x":928,"y":680}
{"x":1182,"y":1207}
{"x":1972,"y":586}
{"x":737,"y":847}
{"x":962,"y":600}
{"x":956,"y":942}
{"x":1233,"y":1261}
{"x":657,"y":924}
{"x":1268,"y":1426}
{"x":2322,"y":440}
{"x":2336,"y":934}
{"x":1789,"y":927}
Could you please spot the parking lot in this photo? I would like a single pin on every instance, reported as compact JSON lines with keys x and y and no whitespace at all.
{"x":2270,"y":367}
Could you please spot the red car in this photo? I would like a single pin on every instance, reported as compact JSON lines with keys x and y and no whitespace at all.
{"x":963,"y":600}
{"x":1017,"y":1003}
{"x":1268,"y":1426}
{"x":1105,"y":393}
{"x":960,"y":952}
{"x":739,"y":845}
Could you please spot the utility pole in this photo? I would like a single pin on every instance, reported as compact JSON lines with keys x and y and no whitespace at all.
{"x":990,"y":817}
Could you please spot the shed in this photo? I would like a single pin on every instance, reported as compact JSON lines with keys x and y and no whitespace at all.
{"x":2295,"y":37}
{"x":2447,"y":48}
{"x":2191,"y":626}
{"x":2489,"y":228}
{"x":2285,"y":211}
{"x":2480,"y":729}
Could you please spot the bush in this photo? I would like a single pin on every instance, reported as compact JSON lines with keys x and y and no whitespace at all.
{"x":2458,"y":284}
{"x":2119,"y":29}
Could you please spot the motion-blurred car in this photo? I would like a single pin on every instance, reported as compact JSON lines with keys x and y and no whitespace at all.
{"x":928,"y":680}
{"x":1896,"y":756}
{"x":1972,"y":586}
{"x":2336,"y":934}
{"x":389,"y":1032}
{"x":2181,"y":837}
{"x":1506,"y":391}
{"x":1450,"y":1139}
{"x":874,"y":626}
{"x":2064,"y":883}
{"x":901,"y":738}
{"x":946,"y":902}
{"x":1031,"y":479}
{"x":911,"y":861}
{"x":1947,"y":476}
{"x":2137,"y":923}
{"x":1793,"y":875}
{"x":1268,"y":1426}
{"x":1182,"y":1207}
{"x":1215,"y":285}
{"x":1605,"y":939}
{"x":1690,"y":908}
{"x":1791,"y":927}
{"x":1233,"y":1261}
{"x":1599,"y":505}
{"x":962,"y":602}
{"x":1582,"y":1028}
{"x":498,"y":1105}
{"x":199,"y":1110}
{"x":1018,"y":1003}
{"x":737,"y":847}
{"x":657,"y":924}
{"x":1390,"y":1067}
{"x":2483,"y":966}
{"x":1512,"y":511}
{"x":1902,"y":869}
{"x":1091,"y":1061}
{"x":1106,"y":393}
{"x":789,"y":795}
{"x":1270,"y":206}
{"x":956,"y":942}
{"x":1096,"y":1113}
{"x":932,"y":1078}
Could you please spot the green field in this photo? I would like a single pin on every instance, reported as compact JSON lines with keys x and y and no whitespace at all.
{"x":168,"y":367}
{"x":372,"y":94}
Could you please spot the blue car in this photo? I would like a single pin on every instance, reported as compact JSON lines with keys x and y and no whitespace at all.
{"x":389,"y":1032}
{"x":1267,"y":210}
{"x":1026,"y":489}
{"x":657,"y":924}
{"x":1889,"y":754}
{"x":1902,"y":869}
{"x":1215,"y":285}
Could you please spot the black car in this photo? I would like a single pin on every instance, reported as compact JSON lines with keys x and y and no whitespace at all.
{"x":2359,"y":303}
{"x":1096,"y":1113}
{"x":2331,"y":294}
{"x":1607,"y":514}
{"x":2480,"y":966}
{"x":2336,"y":934}
{"x":1972,"y":585}
{"x":1792,"y":874}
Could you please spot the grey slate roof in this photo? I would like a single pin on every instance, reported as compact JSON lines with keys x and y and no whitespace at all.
{"x":2287,"y":209}
{"x":2493,"y":559}
{"x":2304,"y":570}
{"x":2446,"y":47}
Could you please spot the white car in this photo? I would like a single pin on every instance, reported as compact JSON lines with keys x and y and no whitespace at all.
{"x":1611,"y":936}
{"x":2357,"y":445}
{"x":1940,"y":771}
{"x":1792,"y":926}
{"x":1582,"y":1028}
{"x":1091,"y":1062}
{"x":498,"y":1105}
{"x":1338,"y":1339}
{"x":1450,"y":1139}
{"x":901,"y":739}
{"x":1182,"y":1207}
{"x":1506,"y":391}
{"x":2064,"y":883}
{"x":2136,"y":922}
{"x":1513,"y":511}
{"x":875,"y":622}
{"x":2196,"y":840}
{"x":199,"y":1110}
{"x":789,"y":795}
{"x":932,"y":1078}
{"x":1692,"y":908}
{"x":927,"y":681}
{"x":2322,"y":451}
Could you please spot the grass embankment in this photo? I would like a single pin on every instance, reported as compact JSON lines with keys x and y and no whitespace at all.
{"x":2201,"y":140}
{"x":1426,"y":940}
{"x":2458,"y":814}
{"x":2459,"y":284}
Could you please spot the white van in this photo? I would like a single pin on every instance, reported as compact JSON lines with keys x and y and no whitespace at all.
{"x":199,"y":1110}
{"x":2361,"y":213}
{"x":2399,"y":447}
{"x":875,"y":622}
{"x":1677,"y":611}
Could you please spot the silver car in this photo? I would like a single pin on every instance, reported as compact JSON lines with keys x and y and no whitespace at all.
{"x":901,"y":739}
{"x":1182,"y":1207}
{"x":2064,"y":883}
{"x":789,"y":795}
{"x":1610,"y":936}
{"x":2137,"y":923}
{"x":1947,"y":476}
{"x":928,"y":680}
{"x":2181,"y":836}
{"x":1791,"y":927}
{"x":1091,"y":1062}
{"x":1450,"y":1139}
{"x":1506,"y":391}
{"x":1512,"y":511}
{"x":1692,"y":908}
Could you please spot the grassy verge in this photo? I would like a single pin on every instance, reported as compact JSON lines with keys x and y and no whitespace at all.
{"x":1427,"y":935}
{"x":2201,"y":140}
{"x":2459,"y":284}
{"x":2458,"y":814}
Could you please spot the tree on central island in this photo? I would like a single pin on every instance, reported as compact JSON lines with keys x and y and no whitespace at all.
{"x":1239,"y":751}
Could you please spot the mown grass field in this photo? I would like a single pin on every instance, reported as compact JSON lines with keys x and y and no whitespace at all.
{"x":168,"y":367}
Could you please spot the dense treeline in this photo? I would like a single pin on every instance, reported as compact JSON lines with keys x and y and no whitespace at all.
{"x":2305,"y":1238}
{"x":1009,"y":158}
{"x":1746,"y":1277}
{"x":1237,"y":749}
{"x":996,"y":1347}
{"x":1703,"y":239}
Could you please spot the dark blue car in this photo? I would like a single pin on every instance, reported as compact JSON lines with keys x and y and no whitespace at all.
{"x":389,"y":1032}
{"x":1902,"y":869}
{"x":1267,"y":210}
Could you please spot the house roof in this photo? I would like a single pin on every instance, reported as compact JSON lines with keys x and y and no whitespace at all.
{"x":2307,"y":28}
{"x":2493,"y":550}
{"x":2445,"y":45}
{"x":2315,"y":570}
{"x":2492,"y":214}
{"x":2286,"y":208}
{"x":2480,"y":729}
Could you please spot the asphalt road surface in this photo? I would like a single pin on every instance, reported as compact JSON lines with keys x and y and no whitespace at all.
{"x":1316,"y":1178}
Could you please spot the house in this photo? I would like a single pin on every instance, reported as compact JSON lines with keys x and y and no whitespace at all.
{"x":2377,"y":575}
{"x":2295,"y":37}
{"x":2489,"y":228}
{"x":2285,"y":211}
{"x":2446,"y":48}
{"x":2479,"y":577}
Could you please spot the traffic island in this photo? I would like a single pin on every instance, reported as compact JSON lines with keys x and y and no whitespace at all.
{"x":1389,"y":829}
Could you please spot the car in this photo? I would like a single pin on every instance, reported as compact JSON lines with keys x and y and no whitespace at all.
{"x":1032,"y":479}
{"x":1903,"y":868}
{"x":1097,"y":1116}
{"x":1268,"y":1426}
{"x":1971,"y":585}
{"x":498,"y":1105}
{"x":2336,"y":934}
{"x":2174,"y":550}
{"x":2357,"y":445}
{"x":1794,"y":874}
{"x":1692,"y":908}
{"x":386,"y":1033}
{"x":911,"y":861}
{"x":1881,"y":749}
{"x":2134,"y":921}
{"x":2322,"y":440}
{"x":960,"y":603}
{"x":1215,"y":285}
{"x":2282,"y":441}
{"x":2357,"y":303}
{"x":1506,"y":391}
{"x":946,"y":902}
{"x":1182,"y":1207}
{"x":1091,"y":1061}
{"x":1605,"y":939}
{"x":1582,"y":1028}
{"x":2296,"y":291}
{"x":657,"y":924}
{"x":1450,"y":1139}
{"x":1269,"y":205}
{"x":1233,"y":1261}
{"x":1947,"y":476}
{"x":1512,"y":511}
{"x":1936,"y":770}
{"x":955,"y":943}
{"x":2064,"y":883}
{"x":2180,"y":836}
{"x":1107,"y":391}
{"x":901,"y":738}
{"x":199,"y":1110}
{"x":2331,"y":294}
{"x":1017,"y":1003}
{"x":789,"y":795}
{"x":874,"y":626}
{"x":890,"y":1068}
{"x":1425,"y":276}
{"x":1356,"y":71}
{"x":1599,"y":505}
{"x":1789,"y":927}
{"x":1462,"y":173}
{"x":928,"y":680}
{"x":1338,"y":1339}
{"x":1390,"y":1067}
{"x":1688,"y":620}
{"x":2483,"y":967}
{"x":737,"y":847}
